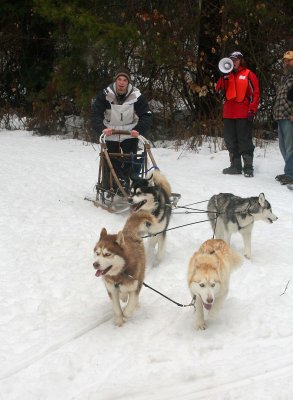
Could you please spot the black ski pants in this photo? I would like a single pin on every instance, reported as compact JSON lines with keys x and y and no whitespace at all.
{"x":122,"y":168}
{"x":238,"y":136}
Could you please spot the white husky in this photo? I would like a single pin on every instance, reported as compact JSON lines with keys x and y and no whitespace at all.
{"x":208,"y":276}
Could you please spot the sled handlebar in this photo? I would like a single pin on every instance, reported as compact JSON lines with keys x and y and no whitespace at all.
{"x":125,"y":133}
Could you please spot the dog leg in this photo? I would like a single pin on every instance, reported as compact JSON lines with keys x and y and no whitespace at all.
{"x":199,"y":314}
{"x":114,"y":296}
{"x":152,"y":242}
{"x":131,"y":305}
{"x":226,"y":235}
{"x":123,"y":296}
{"x":221,"y":232}
{"x":228,"y":238}
{"x":246,"y":236}
{"x":161,"y":246}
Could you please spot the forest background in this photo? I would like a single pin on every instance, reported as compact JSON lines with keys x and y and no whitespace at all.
{"x":55,"y":55}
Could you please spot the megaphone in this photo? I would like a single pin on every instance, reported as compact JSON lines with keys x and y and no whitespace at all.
{"x":225,"y":65}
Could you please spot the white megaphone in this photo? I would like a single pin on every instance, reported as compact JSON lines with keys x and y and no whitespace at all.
{"x":225,"y":65}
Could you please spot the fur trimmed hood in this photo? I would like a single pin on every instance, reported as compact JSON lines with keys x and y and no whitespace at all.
{"x":130,"y":97}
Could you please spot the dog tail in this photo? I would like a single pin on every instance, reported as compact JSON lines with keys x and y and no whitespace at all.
{"x":212,"y":210}
{"x":212,"y":245}
{"x":223,"y":252}
{"x":162,"y":181}
{"x":138,"y":223}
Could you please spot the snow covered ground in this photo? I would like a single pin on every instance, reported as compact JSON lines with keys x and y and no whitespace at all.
{"x":57,"y":337}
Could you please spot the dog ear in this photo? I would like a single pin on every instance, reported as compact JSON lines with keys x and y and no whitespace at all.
{"x":133,"y":176}
{"x":103,"y":233}
{"x":261,"y":200}
{"x":151,"y":180}
{"x":120,"y":239}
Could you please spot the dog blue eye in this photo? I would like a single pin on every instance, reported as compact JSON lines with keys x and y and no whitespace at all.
{"x":107,"y":254}
{"x":213,"y":285}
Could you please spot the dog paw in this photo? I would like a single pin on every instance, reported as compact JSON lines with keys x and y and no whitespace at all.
{"x":124,"y":297}
{"x":200,"y":326}
{"x":156,"y":261}
{"x":119,"y":321}
{"x":159,"y":256}
{"x":127,"y":313}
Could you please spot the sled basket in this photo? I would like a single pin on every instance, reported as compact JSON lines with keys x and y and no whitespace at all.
{"x":112,"y":188}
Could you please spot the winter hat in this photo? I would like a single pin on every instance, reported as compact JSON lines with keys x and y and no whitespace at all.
{"x":235,"y":55}
{"x":288,"y":55}
{"x":122,"y":72}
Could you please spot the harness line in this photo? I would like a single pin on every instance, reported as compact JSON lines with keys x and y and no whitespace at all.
{"x":175,"y":227}
{"x":192,"y":303}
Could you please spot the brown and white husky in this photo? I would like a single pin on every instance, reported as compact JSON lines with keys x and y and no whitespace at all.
{"x":120,"y":260}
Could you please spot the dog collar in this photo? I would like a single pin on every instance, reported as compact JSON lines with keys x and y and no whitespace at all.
{"x":116,"y":285}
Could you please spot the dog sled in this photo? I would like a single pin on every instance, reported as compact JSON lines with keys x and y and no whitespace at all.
{"x":112,"y":188}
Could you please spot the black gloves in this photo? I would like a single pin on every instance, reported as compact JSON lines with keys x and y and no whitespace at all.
{"x":250,"y":116}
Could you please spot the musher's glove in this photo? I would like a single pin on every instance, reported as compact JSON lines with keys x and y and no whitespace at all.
{"x":108,"y":131}
{"x":250,"y":116}
{"x":221,"y":94}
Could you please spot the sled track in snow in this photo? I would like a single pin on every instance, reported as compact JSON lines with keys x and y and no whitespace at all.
{"x":56,"y":346}
{"x":189,"y":391}
{"x":253,"y":372}
{"x":245,"y":381}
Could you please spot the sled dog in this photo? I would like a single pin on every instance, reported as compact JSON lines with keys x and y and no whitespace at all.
{"x":153,"y":195}
{"x":229,"y":214}
{"x":208,"y":276}
{"x":120,"y":260}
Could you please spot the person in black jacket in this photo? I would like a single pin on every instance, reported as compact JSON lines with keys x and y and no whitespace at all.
{"x":290,"y":94}
{"x":121,"y":106}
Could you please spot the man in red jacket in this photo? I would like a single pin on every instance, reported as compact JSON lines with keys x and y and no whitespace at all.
{"x":240,"y":90}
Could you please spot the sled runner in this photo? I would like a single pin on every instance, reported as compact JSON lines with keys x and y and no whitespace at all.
{"x":112,"y":188}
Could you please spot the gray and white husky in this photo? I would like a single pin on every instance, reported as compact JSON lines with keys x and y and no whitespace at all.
{"x":152,"y":194}
{"x":229,"y":214}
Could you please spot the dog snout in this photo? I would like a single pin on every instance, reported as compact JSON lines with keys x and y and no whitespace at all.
{"x":130,"y":200}
{"x":96,"y":265}
{"x":272,"y":219}
{"x":210,"y":300}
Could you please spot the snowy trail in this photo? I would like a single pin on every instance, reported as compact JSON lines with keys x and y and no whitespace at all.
{"x":57,"y":337}
{"x":28,"y":362}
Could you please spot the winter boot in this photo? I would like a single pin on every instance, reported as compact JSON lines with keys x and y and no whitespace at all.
{"x":235,"y":167}
{"x":248,"y":165}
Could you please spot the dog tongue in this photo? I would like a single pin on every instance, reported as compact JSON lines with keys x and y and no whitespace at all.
{"x":207,"y":306}
{"x":101,"y":272}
